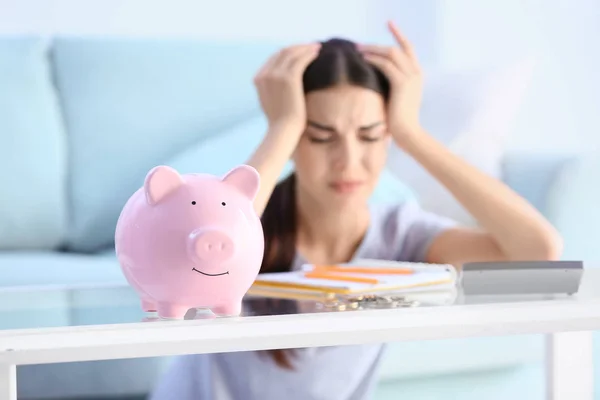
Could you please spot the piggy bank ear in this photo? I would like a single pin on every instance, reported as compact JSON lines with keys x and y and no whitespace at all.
{"x":245,"y":179}
{"x":160,"y":182}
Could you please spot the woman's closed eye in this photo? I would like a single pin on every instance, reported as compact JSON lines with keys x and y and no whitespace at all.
{"x":318,"y":133}
{"x":321,"y":137}
{"x":371,"y":136}
{"x":371,"y":133}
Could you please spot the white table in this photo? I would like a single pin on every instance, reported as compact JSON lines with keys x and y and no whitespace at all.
{"x":568,"y":322}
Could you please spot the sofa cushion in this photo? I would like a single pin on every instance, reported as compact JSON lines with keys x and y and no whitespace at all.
{"x":55,"y":268}
{"x":223,"y":151}
{"x":33,"y":207}
{"x":131,"y":103}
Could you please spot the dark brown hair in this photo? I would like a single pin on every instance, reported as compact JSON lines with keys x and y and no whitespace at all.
{"x":338,"y":62}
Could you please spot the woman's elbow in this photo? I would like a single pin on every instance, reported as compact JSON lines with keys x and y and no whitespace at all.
{"x":555,"y":248}
{"x":548,"y":248}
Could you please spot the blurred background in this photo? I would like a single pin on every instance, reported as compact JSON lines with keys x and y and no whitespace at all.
{"x":95,"y":93}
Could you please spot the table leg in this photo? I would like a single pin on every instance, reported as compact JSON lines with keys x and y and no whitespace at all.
{"x":570,"y":366}
{"x":8,"y":382}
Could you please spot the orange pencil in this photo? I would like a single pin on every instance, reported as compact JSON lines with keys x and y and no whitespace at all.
{"x":339,"y":277}
{"x":364,"y":270}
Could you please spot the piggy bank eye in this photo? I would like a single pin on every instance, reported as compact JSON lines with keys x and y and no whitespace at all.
{"x":193,"y":203}
{"x":223,"y":204}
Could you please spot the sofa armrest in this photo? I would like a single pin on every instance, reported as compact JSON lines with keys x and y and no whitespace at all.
{"x":572,"y":206}
{"x":532,"y":175}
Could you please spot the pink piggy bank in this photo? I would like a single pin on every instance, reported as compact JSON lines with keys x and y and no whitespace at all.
{"x":191,"y":241}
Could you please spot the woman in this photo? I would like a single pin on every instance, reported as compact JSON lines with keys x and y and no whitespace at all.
{"x":333,"y":108}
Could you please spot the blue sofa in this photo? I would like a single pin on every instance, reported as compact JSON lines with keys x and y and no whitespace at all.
{"x":83,"y":119}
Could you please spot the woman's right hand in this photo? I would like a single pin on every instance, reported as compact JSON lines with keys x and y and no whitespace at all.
{"x":279,"y":85}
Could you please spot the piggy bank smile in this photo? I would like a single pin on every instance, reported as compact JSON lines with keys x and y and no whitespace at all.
{"x":211,"y":248}
{"x":206,"y":274}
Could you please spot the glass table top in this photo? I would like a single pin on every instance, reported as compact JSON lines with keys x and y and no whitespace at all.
{"x":62,"y":306}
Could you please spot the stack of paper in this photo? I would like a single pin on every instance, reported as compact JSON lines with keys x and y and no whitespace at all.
{"x":416,"y":276}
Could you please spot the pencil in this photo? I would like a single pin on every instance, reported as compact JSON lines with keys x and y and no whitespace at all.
{"x":339,"y":277}
{"x":364,"y":270}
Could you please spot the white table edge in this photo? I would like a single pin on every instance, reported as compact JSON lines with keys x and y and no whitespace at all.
{"x":147,"y":339}
{"x":567,"y":322}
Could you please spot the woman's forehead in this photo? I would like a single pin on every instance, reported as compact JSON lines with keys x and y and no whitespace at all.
{"x":347,"y":105}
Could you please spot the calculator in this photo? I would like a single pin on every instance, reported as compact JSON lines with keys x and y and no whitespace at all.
{"x":521,"y":277}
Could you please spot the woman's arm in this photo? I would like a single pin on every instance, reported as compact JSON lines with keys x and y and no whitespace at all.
{"x":511,"y":228}
{"x":270,"y":158}
{"x":281,"y":94}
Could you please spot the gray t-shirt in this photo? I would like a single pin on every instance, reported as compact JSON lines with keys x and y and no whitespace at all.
{"x":401,"y":232}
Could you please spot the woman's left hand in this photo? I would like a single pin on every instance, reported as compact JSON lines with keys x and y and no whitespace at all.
{"x":400,"y":66}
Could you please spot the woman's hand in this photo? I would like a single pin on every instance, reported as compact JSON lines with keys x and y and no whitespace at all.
{"x":279,"y":85}
{"x":281,"y":94}
{"x":400,"y":66}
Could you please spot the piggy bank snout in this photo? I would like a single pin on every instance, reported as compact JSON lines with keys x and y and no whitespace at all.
{"x":212,"y":245}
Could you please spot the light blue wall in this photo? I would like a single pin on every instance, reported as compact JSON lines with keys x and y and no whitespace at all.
{"x":448,"y":33}
{"x":565,"y":95}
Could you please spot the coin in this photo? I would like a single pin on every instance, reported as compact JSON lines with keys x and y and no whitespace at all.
{"x":409,"y":304}
{"x":331,"y":304}
{"x":370,"y":298}
{"x":383,"y":300}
